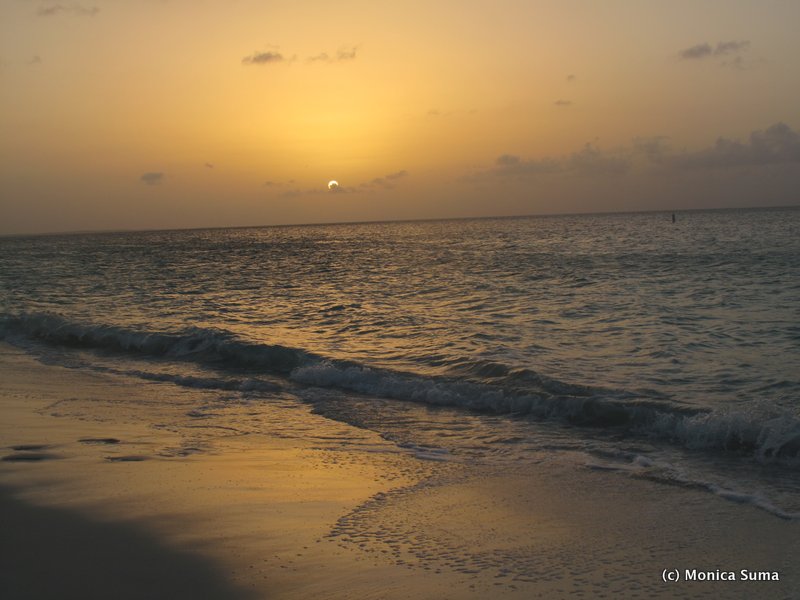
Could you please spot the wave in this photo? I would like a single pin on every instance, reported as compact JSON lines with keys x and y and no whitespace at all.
{"x":665,"y":473}
{"x":204,"y":346}
{"x":767,"y":434}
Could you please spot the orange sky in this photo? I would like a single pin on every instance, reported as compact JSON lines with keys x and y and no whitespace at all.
{"x":178,"y":113}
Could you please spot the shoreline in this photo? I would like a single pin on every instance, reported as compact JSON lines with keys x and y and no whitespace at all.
{"x":272,"y":501}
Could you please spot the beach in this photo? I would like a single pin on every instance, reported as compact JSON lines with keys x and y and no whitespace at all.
{"x":107,"y":492}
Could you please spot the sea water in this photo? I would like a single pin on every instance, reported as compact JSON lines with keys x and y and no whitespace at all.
{"x":649,"y":348}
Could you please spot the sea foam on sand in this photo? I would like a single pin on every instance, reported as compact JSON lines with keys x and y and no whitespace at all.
{"x":114,"y":487}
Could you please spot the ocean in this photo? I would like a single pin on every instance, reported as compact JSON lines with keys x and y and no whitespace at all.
{"x":636,"y":346}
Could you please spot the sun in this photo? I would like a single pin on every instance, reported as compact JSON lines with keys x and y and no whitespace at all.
{"x":333,"y":185}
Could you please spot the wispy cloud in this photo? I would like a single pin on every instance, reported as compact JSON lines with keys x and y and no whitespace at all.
{"x":263,"y":58}
{"x":343,"y":54}
{"x":152,"y":178}
{"x":733,"y":47}
{"x":732,"y":52}
{"x":570,"y":78}
{"x":435,"y":113}
{"x":274,"y":56}
{"x":49,"y":10}
{"x":697,"y":51}
{"x":563,"y":103}
{"x":386,"y":182}
{"x":347,"y":53}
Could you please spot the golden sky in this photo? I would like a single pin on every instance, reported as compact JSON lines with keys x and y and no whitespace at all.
{"x":122,"y":114}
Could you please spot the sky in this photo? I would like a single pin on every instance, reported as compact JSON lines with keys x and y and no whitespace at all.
{"x":158,"y":114}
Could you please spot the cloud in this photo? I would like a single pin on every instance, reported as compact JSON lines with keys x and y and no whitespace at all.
{"x":36,"y":60}
{"x":698,"y":51}
{"x":436,"y":113}
{"x":593,"y":161}
{"x":761,"y":168}
{"x":507,"y":160}
{"x":777,"y":144}
{"x":511,"y":165}
{"x":343,"y":54}
{"x":564,"y":103}
{"x":152,"y":178}
{"x":731,"y":51}
{"x":652,"y":148}
{"x":737,"y":62}
{"x":263,"y":58}
{"x":570,"y":78}
{"x":386,"y":182}
{"x":49,"y":10}
{"x":271,"y":57}
{"x":731,"y":47}
{"x":209,"y":165}
{"x":590,"y":160}
{"x":346,"y":53}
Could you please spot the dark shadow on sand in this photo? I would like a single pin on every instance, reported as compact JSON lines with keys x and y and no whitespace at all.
{"x":52,"y":553}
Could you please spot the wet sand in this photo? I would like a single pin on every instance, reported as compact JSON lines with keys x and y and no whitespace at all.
{"x":110,"y":487}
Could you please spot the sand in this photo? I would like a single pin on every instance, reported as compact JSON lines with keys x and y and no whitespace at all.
{"x":115,"y":488}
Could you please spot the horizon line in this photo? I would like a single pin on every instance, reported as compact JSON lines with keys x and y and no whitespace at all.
{"x":378,"y":221}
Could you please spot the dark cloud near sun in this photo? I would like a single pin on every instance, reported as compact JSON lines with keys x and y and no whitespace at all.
{"x":386,"y":182}
{"x":263,"y":58}
{"x":49,"y":10}
{"x":152,"y":178}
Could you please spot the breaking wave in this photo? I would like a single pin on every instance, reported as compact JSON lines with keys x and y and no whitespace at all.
{"x":766,"y":434}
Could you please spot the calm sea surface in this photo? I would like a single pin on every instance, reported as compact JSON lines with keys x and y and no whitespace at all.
{"x":670,"y":351}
